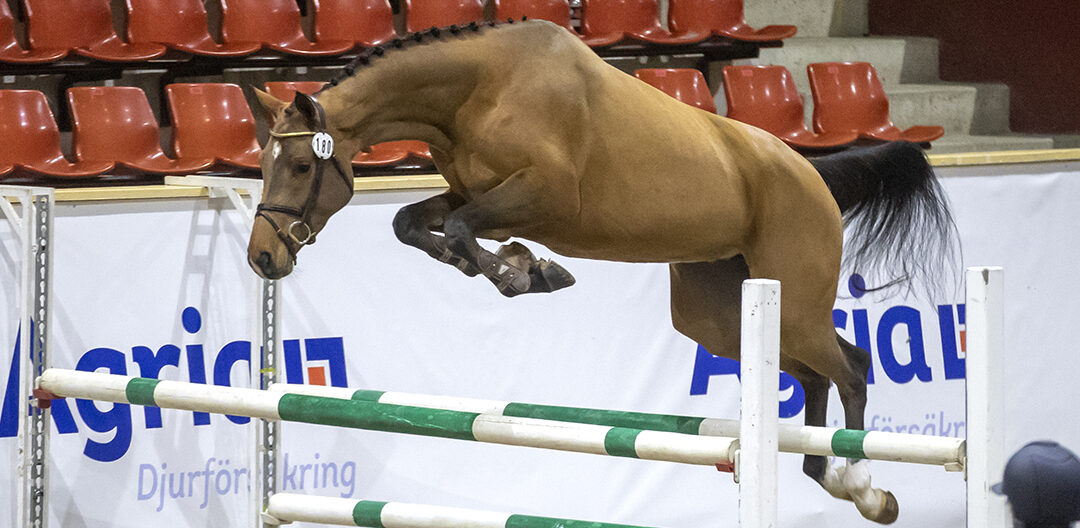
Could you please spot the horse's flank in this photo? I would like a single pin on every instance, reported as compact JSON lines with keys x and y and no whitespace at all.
{"x":628,"y":173}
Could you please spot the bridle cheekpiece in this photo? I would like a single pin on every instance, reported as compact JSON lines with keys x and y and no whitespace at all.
{"x":322,"y":144}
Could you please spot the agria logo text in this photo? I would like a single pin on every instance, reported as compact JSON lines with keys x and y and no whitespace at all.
{"x":899,"y":364}
{"x":315,"y":360}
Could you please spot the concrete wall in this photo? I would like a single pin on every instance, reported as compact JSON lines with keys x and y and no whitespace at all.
{"x":1031,"y":46}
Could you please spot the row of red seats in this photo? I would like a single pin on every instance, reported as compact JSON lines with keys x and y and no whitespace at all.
{"x":849,"y":103}
{"x":114,"y":131}
{"x":57,"y":29}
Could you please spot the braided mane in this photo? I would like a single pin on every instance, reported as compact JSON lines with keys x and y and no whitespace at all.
{"x":370,"y":53}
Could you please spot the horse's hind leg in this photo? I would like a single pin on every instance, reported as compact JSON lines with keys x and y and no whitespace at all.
{"x":414,"y":222}
{"x":808,"y":286}
{"x":526,"y":198}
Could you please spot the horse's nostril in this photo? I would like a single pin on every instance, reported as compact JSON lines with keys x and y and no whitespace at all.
{"x":263,"y":261}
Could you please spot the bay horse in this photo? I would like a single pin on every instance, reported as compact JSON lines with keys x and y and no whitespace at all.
{"x":540,"y":139}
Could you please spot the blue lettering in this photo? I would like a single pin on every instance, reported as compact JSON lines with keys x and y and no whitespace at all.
{"x":955,"y":366}
{"x":150,"y":365}
{"x":862,"y":339}
{"x":228,"y":356}
{"x":294,"y":366}
{"x":917,"y":367}
{"x":117,"y":419}
{"x":707,"y":365}
{"x":9,"y":411}
{"x":192,"y":322}
{"x":143,"y":468}
{"x":331,"y":349}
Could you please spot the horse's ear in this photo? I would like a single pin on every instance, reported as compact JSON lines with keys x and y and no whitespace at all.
{"x":271,"y":105}
{"x":309,"y":109}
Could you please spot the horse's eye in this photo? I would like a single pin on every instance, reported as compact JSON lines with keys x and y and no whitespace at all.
{"x":303,"y":167}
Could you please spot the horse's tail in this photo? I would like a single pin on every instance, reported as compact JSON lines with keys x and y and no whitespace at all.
{"x":900,"y":227}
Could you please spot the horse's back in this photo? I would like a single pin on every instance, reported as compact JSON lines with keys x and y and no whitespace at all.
{"x":658,"y":180}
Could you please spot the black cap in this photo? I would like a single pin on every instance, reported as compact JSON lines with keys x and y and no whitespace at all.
{"x":1042,"y":482}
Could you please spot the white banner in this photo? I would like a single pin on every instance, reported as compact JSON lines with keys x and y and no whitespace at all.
{"x":162,"y":289}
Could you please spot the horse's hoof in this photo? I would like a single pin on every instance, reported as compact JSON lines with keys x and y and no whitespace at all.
{"x":555,"y":275}
{"x":890,"y":509}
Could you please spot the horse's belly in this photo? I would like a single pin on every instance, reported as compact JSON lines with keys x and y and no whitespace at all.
{"x":635,"y":241}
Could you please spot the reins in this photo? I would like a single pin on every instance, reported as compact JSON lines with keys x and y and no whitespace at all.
{"x":322,"y":144}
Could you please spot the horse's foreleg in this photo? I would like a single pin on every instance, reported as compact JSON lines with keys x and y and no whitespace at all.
{"x":525,"y":198}
{"x":413,"y":225}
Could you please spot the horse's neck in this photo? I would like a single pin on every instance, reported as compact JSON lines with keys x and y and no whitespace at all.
{"x":408,"y":94}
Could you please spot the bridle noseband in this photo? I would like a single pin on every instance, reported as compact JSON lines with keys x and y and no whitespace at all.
{"x":323,"y":146}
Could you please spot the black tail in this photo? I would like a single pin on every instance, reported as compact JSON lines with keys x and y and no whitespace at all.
{"x":900,"y":227}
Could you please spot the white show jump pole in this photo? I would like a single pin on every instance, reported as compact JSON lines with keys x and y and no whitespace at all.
{"x":985,"y":320}
{"x":760,"y":404}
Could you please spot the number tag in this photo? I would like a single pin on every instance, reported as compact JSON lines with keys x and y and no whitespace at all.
{"x":323,"y":145}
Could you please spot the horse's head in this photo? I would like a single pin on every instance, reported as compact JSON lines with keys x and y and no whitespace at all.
{"x":306,"y":178}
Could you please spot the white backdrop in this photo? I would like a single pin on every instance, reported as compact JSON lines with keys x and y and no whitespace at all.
{"x":162,"y":288}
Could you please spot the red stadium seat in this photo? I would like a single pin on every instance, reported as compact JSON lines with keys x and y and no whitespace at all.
{"x":557,"y":11}
{"x":32,"y":139}
{"x":213,"y":121}
{"x":381,"y":155}
{"x":10,"y":51}
{"x":686,"y":85}
{"x":115,"y":124}
{"x":365,"y":22}
{"x":423,"y":14}
{"x":848,"y":96}
{"x":704,"y":18}
{"x":181,"y":25}
{"x":766,"y":97}
{"x":286,"y":90}
{"x":276,"y":24}
{"x":85,"y":26}
{"x":607,"y":22}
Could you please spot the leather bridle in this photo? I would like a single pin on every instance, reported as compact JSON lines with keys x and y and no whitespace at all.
{"x":323,"y":147}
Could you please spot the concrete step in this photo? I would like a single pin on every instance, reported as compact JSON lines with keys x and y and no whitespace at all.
{"x":814,"y":18}
{"x":886,"y":54}
{"x":991,"y":108}
{"x":1067,"y":141}
{"x":950,"y":144}
{"x":947,"y":105}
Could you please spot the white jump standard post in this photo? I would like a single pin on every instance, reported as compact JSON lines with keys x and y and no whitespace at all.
{"x":32,"y":224}
{"x":985,"y":321}
{"x":244,"y":195}
{"x":756,"y":468}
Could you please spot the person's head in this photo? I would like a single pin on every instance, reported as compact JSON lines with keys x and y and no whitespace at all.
{"x":1042,"y":483}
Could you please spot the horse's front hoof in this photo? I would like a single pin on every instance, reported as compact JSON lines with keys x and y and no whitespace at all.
{"x":555,"y":276}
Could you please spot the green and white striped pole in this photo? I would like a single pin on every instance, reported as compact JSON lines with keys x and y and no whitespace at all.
{"x":288,"y":507}
{"x":508,"y":430}
{"x":826,"y":441}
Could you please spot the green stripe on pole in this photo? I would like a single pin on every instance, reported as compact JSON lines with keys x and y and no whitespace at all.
{"x":848,"y":443}
{"x":620,"y":441}
{"x":527,"y":521}
{"x":631,"y":420}
{"x":368,"y":514}
{"x":140,"y":391}
{"x":368,"y":395}
{"x":377,"y":416}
